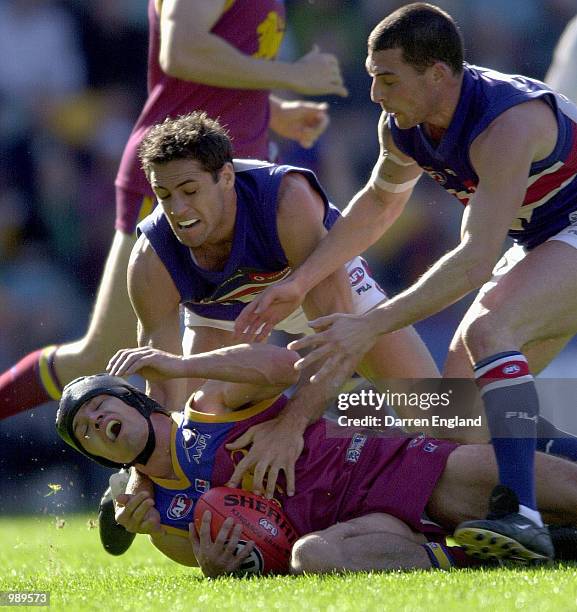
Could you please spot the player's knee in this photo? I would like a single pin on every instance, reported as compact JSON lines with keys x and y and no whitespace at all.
{"x":313,"y":554}
{"x":481,"y":333}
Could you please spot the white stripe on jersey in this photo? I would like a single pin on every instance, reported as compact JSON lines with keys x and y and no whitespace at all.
{"x":556,"y":166}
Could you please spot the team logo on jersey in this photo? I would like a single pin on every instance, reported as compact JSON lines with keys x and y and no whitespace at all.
{"x":268,"y":526}
{"x":438,"y":177}
{"x":180,"y":506}
{"x":194,"y":443}
{"x":200,"y":485}
{"x":355,"y":447}
{"x":416,"y":441}
{"x":573,"y":217}
{"x":243,"y":285}
{"x":430,"y":447}
{"x":511,"y":369}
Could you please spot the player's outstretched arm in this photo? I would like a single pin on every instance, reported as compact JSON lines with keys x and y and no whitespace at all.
{"x":258,"y":364}
{"x":370,"y":214}
{"x":189,"y":51}
{"x":491,"y":210}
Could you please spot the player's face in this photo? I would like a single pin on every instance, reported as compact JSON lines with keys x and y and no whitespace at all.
{"x":399,"y":89}
{"x":109,"y":428}
{"x":197,"y":208}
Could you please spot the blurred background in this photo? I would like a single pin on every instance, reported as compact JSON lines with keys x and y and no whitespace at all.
{"x":72,"y":81}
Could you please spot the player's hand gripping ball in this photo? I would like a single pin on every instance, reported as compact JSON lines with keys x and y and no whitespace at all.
{"x":262,"y":521}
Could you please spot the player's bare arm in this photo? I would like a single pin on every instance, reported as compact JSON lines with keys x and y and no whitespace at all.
{"x":506,"y":144}
{"x":189,"y":51}
{"x":252,"y":372}
{"x":371,"y":213}
{"x":158,"y":319}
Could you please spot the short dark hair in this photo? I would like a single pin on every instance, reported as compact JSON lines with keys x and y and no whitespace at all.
{"x":425,"y":34}
{"x":194,"y":136}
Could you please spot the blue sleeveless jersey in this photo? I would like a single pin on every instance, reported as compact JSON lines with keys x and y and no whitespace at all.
{"x":551,"y":195}
{"x":257,"y":258}
{"x":340,"y":474}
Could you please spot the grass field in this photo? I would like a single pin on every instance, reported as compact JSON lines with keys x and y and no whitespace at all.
{"x":68,"y":561}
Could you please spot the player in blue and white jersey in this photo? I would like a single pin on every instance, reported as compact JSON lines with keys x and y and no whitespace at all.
{"x":506,"y":147}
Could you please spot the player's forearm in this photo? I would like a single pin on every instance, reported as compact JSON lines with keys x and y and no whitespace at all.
{"x":208,"y":59}
{"x":364,"y":221}
{"x":309,"y":402}
{"x":455,"y":275}
{"x":257,"y":364}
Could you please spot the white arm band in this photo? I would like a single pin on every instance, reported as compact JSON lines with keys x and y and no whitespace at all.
{"x":392,"y":187}
{"x":398,"y":160}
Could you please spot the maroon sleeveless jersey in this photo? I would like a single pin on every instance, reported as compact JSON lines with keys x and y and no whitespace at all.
{"x":255,"y":28}
{"x":337,"y":478}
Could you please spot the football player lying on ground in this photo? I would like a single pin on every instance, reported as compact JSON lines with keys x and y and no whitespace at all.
{"x":361,"y":503}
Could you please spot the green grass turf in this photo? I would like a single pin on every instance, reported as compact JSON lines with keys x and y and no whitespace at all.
{"x":69,"y":562}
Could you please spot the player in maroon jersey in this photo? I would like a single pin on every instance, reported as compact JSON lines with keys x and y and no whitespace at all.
{"x":362,"y":502}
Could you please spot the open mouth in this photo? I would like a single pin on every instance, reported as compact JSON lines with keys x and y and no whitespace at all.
{"x":188,"y":224}
{"x":113,"y":429}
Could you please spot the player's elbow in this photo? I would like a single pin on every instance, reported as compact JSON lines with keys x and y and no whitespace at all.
{"x":177,"y":59}
{"x":170,"y":61}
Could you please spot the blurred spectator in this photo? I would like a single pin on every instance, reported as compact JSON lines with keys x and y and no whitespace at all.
{"x":562,"y":74}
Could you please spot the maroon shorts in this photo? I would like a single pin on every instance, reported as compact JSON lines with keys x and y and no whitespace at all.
{"x":131,"y":208}
{"x":400,"y":485}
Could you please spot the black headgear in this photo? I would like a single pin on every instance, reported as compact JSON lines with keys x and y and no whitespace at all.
{"x":81,"y":390}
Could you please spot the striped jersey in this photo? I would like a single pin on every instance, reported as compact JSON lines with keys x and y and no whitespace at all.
{"x":550,"y":201}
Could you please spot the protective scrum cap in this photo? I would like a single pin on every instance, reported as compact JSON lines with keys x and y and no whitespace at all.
{"x":81,"y":390}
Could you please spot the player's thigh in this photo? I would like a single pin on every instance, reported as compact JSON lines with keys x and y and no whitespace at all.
{"x":400,"y":354}
{"x":202,"y":339}
{"x":332,"y":542}
{"x":535,"y":300}
{"x":463,"y":489}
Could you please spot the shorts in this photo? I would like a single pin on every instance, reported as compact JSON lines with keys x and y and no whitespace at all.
{"x":401,"y":485}
{"x":131,"y":208}
{"x":366,"y":294}
{"x":516,"y":253}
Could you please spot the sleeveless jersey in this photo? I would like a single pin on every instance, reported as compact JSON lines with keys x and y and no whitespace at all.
{"x":255,"y":29}
{"x":551,"y":198}
{"x":337,"y":478}
{"x":257,"y":258}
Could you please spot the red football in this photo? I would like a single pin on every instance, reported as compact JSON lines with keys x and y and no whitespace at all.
{"x":262,"y":521}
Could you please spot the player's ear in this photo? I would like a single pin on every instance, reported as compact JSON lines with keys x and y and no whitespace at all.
{"x":439,"y":72}
{"x":227,"y":176}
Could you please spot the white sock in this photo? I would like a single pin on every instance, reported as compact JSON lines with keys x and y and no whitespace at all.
{"x":532,"y":515}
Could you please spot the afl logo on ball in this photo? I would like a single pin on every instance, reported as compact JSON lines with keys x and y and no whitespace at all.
{"x":266,"y":524}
